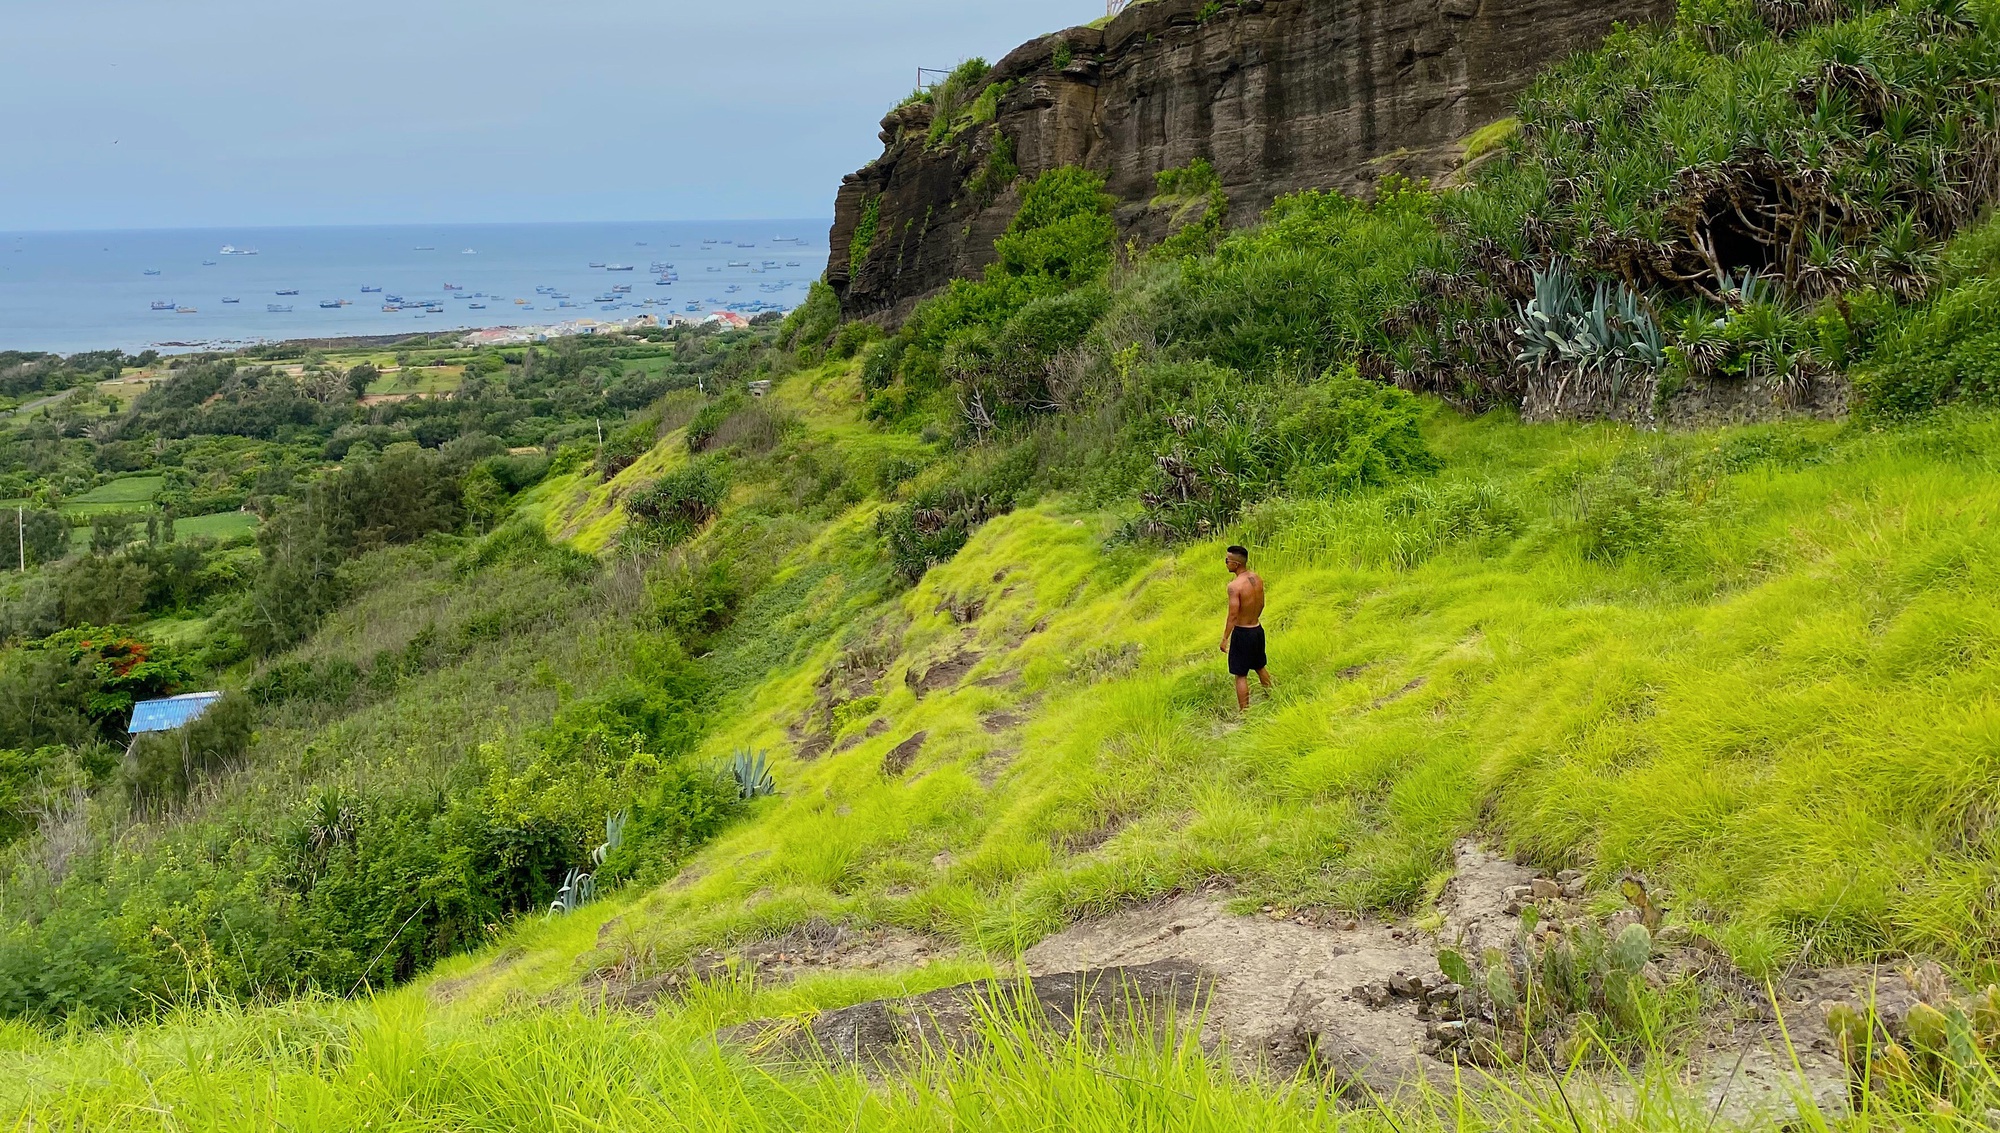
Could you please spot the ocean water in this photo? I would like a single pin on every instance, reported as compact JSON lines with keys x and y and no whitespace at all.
{"x":73,"y":291}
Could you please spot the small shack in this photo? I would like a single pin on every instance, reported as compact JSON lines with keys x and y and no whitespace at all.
{"x":170,"y":713}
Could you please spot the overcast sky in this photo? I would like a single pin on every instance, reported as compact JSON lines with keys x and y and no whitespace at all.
{"x":229,"y":113}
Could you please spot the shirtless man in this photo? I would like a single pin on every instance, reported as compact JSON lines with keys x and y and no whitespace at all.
{"x":1243,"y":633}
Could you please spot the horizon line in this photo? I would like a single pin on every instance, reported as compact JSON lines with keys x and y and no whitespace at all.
{"x":412,"y":224}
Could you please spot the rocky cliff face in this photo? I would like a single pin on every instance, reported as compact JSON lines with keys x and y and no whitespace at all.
{"x":1279,"y":95}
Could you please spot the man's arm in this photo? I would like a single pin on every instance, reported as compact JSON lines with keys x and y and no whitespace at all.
{"x":1235,"y":608}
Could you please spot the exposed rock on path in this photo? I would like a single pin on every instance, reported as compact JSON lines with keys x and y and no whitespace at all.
{"x":1362,"y":1003}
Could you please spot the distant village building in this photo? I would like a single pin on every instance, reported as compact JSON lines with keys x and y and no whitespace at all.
{"x":522,"y":336}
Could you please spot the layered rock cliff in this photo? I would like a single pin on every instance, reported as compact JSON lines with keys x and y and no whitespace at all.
{"x":1279,"y":95}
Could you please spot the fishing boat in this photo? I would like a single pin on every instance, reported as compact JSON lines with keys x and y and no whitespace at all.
{"x":468,"y":252}
{"x":231,"y":299}
{"x":278,"y":308}
{"x":475,"y":306}
{"x":293,"y":291}
{"x":162,"y":305}
{"x":715,"y":269}
{"x":208,"y":263}
{"x":152,"y":271}
{"x":739,"y":263}
{"x":371,"y":290}
{"x":623,"y":288}
{"x":453,"y":287}
{"x":425,"y":248}
{"x":520,"y":302}
{"x":233,"y":250}
{"x":392,"y":298}
{"x":791,"y":263}
{"x":391,"y":308}
{"x":618,"y":267}
{"x":184,"y":311}
{"x":599,"y":264}
{"x":329,"y":305}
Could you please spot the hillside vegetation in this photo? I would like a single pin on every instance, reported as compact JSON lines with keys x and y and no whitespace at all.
{"x":957,"y":589}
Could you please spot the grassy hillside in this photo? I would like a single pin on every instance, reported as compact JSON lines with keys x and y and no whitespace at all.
{"x":1749,"y":663}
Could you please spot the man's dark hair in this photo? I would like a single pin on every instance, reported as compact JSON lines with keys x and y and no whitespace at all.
{"x":1241,"y":553}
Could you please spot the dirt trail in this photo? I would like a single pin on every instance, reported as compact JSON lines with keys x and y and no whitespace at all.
{"x":1362,"y":1003}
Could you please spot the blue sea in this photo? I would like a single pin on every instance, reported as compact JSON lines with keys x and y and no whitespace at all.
{"x":74,"y":291}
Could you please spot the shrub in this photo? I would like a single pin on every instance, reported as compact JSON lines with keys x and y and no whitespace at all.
{"x":1312,"y":287}
{"x":808,"y":328}
{"x":671,"y":509}
{"x":695,"y":597}
{"x":688,"y":805}
{"x":1220,"y":442}
{"x":1947,"y":351}
{"x":934,"y":525}
{"x":623,"y":448}
{"x":701,"y":428}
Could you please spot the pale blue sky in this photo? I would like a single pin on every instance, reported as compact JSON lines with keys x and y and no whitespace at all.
{"x":230,"y":113}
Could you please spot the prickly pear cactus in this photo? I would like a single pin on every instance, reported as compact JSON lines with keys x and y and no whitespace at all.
{"x":1631,"y":950}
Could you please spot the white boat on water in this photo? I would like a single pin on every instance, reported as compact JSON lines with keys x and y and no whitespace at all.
{"x":233,"y":250}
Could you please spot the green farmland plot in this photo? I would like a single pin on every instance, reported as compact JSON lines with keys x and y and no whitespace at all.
{"x":130,"y":491}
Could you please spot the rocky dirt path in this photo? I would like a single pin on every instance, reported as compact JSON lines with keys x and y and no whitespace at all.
{"x":1362,"y":1004}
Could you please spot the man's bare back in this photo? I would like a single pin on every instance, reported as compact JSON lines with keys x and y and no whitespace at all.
{"x":1246,"y":599}
{"x":1243,"y":632}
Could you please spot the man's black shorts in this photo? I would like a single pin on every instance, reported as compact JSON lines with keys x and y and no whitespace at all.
{"x":1246,"y":651}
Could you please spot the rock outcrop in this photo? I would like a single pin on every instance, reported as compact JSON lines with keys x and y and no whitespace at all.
{"x":1279,"y":95}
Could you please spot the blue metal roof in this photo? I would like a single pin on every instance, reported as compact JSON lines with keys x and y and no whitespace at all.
{"x":173,"y":712}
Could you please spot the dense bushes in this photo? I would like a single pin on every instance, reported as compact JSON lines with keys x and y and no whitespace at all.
{"x":164,"y":766}
{"x":1221,"y":442}
{"x":1310,"y":288}
{"x":1060,"y":239}
{"x":1947,"y":351}
{"x":939,"y":517}
{"x":405,"y":494}
{"x":671,"y":509}
{"x":353,"y":880}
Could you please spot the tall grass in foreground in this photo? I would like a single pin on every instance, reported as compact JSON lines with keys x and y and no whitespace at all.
{"x":394,"y":1065}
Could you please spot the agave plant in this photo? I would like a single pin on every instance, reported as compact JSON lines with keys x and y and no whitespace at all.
{"x":752,"y":772}
{"x":614,"y":837}
{"x":578,"y":889}
{"x":1610,"y":336}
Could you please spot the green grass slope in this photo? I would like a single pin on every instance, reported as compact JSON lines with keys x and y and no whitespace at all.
{"x":1754,"y":664}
